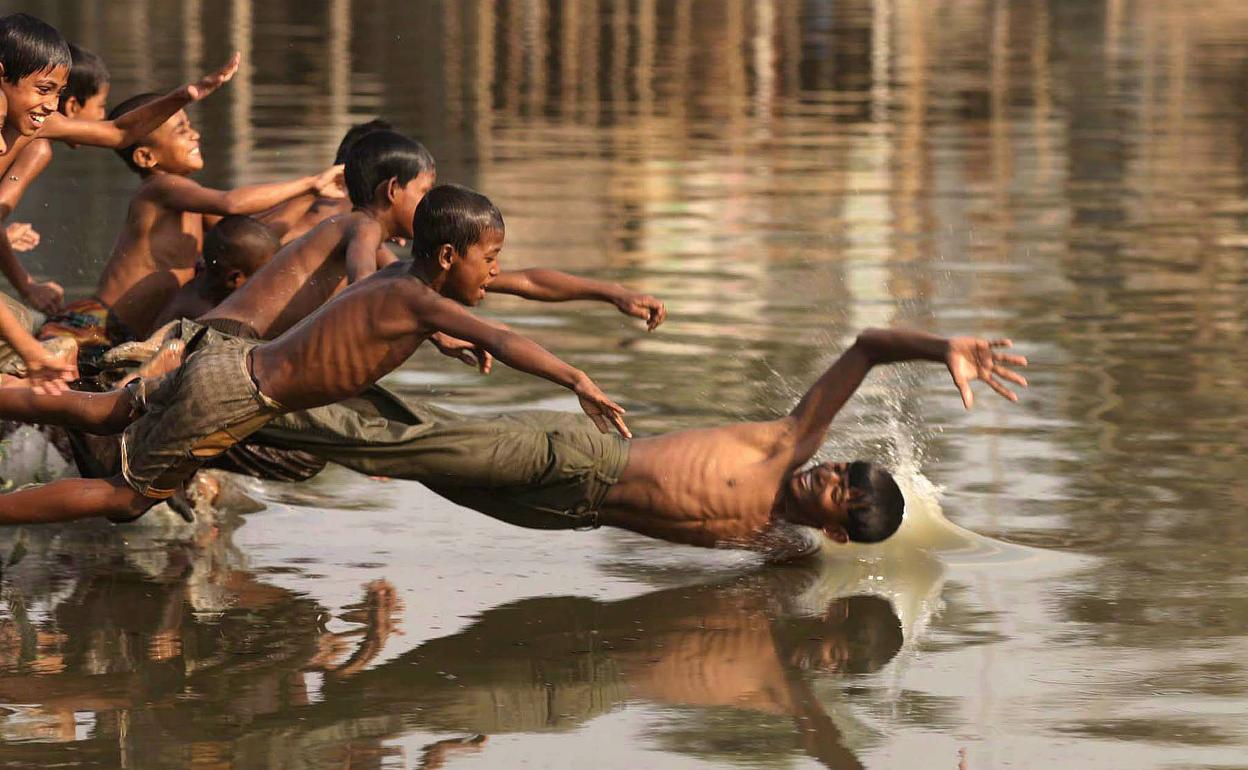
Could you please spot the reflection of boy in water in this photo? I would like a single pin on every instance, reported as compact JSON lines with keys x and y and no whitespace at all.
{"x":555,"y":663}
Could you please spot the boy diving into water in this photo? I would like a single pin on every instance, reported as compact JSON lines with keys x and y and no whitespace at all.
{"x":741,"y":485}
{"x":229,"y":387}
{"x":387,"y":175}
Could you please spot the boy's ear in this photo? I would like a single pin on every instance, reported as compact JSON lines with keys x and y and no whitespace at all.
{"x":393,"y":189}
{"x":144,"y":157}
{"x":837,"y":533}
{"x":234,"y":279}
{"x":72,"y":107}
{"x":446,"y":256}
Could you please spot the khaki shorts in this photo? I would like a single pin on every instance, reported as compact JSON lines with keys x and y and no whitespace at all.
{"x":192,"y":414}
{"x":535,"y":469}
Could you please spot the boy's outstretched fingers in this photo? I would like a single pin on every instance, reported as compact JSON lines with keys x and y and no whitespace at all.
{"x":210,"y":83}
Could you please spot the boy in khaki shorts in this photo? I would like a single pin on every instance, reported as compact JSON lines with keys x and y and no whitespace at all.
{"x":229,"y":387}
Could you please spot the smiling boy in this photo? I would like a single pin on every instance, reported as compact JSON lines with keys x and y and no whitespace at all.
{"x":34,"y":70}
{"x":161,"y":239}
{"x":84,"y":97}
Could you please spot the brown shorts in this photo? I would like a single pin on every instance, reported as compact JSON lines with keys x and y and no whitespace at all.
{"x":192,"y":414}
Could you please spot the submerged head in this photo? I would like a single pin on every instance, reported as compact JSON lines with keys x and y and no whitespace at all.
{"x":856,"y":501}
{"x":34,"y":67}
{"x":355,"y":134}
{"x":457,"y":235}
{"x":173,"y":147}
{"x":389,"y":173}
{"x":86,"y":93}
{"x":235,"y":248}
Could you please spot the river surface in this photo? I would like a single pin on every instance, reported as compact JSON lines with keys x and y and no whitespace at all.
{"x":1068,"y":589}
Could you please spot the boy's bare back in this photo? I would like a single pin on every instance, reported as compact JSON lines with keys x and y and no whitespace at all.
{"x":301,"y":276}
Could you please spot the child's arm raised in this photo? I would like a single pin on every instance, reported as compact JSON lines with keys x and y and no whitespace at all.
{"x":967,"y":358}
{"x":184,"y":194}
{"x":45,"y":297}
{"x":129,"y":128}
{"x":441,"y":314}
{"x":556,"y":286}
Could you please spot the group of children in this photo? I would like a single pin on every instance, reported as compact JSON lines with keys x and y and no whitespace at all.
{"x":274,"y":309}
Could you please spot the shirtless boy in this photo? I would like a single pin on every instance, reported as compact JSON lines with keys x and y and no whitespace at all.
{"x":84,"y":97}
{"x":740,"y":485}
{"x":229,"y":387}
{"x":234,"y":250}
{"x":299,"y":215}
{"x":160,"y":242}
{"x":34,"y":68}
{"x":387,"y":174}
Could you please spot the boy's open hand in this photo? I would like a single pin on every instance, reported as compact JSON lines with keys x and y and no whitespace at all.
{"x":22,"y":237}
{"x":50,"y":373}
{"x":602,"y":410}
{"x":468,"y":352}
{"x":970,"y":358}
{"x":330,"y":184}
{"x":647,"y":308}
{"x":209,"y":83}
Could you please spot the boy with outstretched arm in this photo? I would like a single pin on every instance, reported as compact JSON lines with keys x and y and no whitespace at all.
{"x":743,"y":485}
{"x":387,"y":174}
{"x":34,"y":68}
{"x":84,"y":97}
{"x":160,"y":241}
{"x":229,"y":387}
{"x":297,"y":216}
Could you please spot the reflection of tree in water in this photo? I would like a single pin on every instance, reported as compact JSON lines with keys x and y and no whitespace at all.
{"x":225,"y":683}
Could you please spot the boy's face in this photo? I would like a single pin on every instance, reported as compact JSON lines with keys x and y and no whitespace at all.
{"x":473,"y":270}
{"x":94,"y":108}
{"x":33,"y":98}
{"x":409,"y":198}
{"x":819,"y":497}
{"x":174,"y":147}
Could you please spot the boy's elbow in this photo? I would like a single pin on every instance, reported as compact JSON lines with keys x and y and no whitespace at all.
{"x":868,"y":344}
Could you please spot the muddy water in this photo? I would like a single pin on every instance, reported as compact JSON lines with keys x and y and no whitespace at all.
{"x":1067,"y":589}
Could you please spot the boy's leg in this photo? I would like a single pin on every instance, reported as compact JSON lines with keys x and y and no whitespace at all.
{"x":70,"y":499}
{"x":102,"y":413}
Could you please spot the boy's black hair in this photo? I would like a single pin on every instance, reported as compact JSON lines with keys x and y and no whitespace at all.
{"x":355,"y":133}
{"x":379,"y":156}
{"x":86,"y":77}
{"x":452,"y":214}
{"x":240,"y":243}
{"x":138,"y":100}
{"x":29,"y":45}
{"x":879,"y":513}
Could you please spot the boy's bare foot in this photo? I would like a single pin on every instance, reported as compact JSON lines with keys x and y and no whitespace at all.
{"x":139,"y":351}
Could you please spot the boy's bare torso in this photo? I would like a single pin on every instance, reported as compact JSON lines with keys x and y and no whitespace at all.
{"x":703,"y":487}
{"x":368,"y":331}
{"x":299,"y":278}
{"x":154,"y":256}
